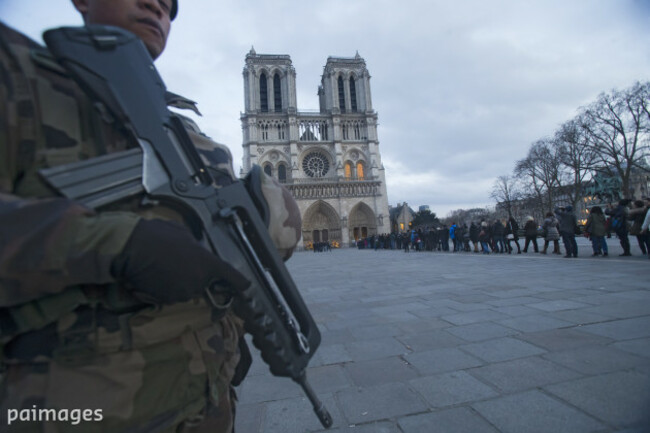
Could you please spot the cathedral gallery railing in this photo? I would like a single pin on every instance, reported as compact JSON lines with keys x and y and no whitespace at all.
{"x":334,"y":187}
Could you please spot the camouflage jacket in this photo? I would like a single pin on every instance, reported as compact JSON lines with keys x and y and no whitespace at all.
{"x":70,"y":336}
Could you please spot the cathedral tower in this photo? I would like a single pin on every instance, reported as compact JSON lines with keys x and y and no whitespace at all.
{"x":329,"y":159}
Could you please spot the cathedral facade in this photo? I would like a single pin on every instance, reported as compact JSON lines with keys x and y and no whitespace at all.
{"x":328,"y":158}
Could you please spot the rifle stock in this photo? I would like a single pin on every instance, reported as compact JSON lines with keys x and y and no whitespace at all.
{"x":168,"y":169}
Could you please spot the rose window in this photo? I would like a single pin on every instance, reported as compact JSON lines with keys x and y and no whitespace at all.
{"x":315,"y":165}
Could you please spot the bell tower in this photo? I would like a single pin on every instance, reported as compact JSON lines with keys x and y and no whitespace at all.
{"x":345,"y":86}
{"x":269,"y":83}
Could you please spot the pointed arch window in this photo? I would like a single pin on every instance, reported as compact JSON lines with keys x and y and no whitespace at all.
{"x":264,"y":94}
{"x":282,"y":173}
{"x":277,"y":93}
{"x":348,"y":170}
{"x":264,"y":129}
{"x":353,"y":94}
{"x":267,"y":169}
{"x":341,"y":95}
{"x":360,"y":170}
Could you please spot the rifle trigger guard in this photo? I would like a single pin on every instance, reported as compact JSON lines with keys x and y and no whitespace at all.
{"x":221,"y":306}
{"x":304,"y":344}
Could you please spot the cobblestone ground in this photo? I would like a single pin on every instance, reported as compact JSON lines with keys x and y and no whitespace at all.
{"x":442,"y":342}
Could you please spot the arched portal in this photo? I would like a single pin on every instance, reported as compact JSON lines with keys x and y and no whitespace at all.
{"x":321,"y":223}
{"x":362,"y":222}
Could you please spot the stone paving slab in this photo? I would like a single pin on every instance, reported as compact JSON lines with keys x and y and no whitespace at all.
{"x":523,"y":374}
{"x":442,"y":360}
{"x":639,"y":347}
{"x":458,"y":420}
{"x":502,"y":349}
{"x":429,"y":340}
{"x":535,"y":412}
{"x":379,"y":402}
{"x":482,"y":331}
{"x":378,"y":371}
{"x":362,"y":350}
{"x":596,"y":359}
{"x":619,"y":399}
{"x":557,"y":340}
{"x":627,"y":329}
{"x":374,"y":427}
{"x":450,"y":389}
{"x":444,"y":342}
{"x":534,"y":323}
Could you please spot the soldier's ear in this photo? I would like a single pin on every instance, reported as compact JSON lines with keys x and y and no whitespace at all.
{"x":81,"y":6}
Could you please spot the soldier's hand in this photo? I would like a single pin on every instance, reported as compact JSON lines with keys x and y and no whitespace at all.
{"x":163,"y":263}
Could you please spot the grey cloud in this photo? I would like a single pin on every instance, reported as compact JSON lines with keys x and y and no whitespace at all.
{"x":461,"y":88}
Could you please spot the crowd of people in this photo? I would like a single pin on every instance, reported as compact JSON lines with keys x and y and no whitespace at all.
{"x":319,"y":247}
{"x":501,"y":236}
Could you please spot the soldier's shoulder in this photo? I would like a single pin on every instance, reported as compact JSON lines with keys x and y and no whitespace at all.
{"x":18,"y":47}
{"x":213,"y":154}
{"x":11,"y":36}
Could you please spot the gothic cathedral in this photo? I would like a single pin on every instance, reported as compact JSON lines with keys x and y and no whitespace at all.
{"x":329,"y":159}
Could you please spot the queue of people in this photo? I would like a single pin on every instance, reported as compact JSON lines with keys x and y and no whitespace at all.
{"x":320,"y":247}
{"x":502,"y":236}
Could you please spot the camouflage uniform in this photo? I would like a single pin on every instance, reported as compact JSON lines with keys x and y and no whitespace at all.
{"x":70,"y":336}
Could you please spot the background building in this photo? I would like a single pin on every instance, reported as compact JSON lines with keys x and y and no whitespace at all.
{"x":401,"y":217}
{"x":329,"y":159}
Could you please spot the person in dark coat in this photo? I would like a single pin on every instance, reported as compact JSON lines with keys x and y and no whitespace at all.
{"x":530,"y":231}
{"x":597,"y":230}
{"x":498,"y":231}
{"x":568,"y":223}
{"x":619,"y":223}
{"x":465,"y":237}
{"x":473,"y":235}
{"x":444,"y":238}
{"x":637,"y":215}
{"x":512,"y":234}
{"x":484,"y":237}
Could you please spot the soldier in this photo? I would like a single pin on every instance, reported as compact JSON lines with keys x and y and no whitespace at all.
{"x":103,"y":311}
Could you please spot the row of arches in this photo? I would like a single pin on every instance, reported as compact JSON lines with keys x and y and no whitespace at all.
{"x":321,"y":223}
{"x":354,"y":171}
{"x":272,"y":130}
{"x":279,"y":171}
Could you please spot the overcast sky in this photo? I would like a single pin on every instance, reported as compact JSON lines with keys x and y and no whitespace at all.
{"x":462,"y":88}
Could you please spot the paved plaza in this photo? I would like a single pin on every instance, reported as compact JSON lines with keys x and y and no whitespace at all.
{"x":467,"y":343}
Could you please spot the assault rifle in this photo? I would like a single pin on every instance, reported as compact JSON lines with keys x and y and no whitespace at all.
{"x":114,"y":68}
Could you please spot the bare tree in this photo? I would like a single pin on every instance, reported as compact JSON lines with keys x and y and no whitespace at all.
{"x":617,"y":127}
{"x":469,"y":215}
{"x":643,"y":99}
{"x":542,"y":170}
{"x":576,"y":156}
{"x":506,"y":191}
{"x":525,"y":171}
